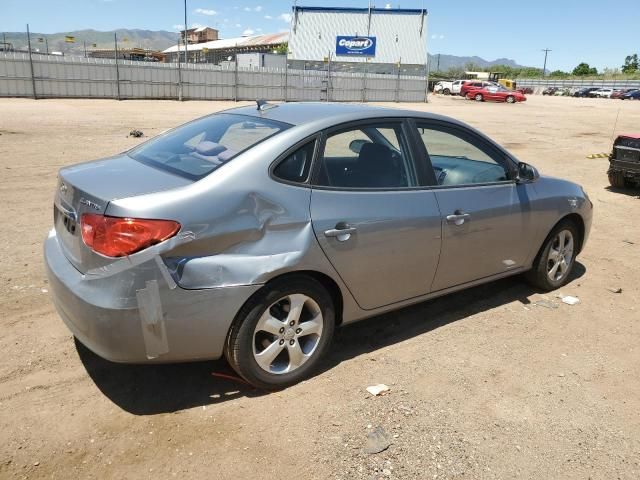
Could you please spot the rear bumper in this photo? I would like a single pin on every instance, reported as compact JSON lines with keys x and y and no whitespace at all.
{"x":135,"y":316}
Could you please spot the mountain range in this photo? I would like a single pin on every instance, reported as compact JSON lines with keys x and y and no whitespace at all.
{"x":162,"y":39}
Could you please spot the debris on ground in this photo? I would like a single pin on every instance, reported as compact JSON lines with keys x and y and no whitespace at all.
{"x":377,"y":441}
{"x":136,"y":133}
{"x":629,"y":242}
{"x":546,"y":304}
{"x":615,"y":289}
{"x":377,"y":390}
{"x":569,"y":300}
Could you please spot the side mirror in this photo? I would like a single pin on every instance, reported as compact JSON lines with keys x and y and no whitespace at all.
{"x":356,"y":145}
{"x":526,"y":173}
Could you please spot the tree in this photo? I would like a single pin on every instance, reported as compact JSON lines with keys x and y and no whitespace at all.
{"x":630,"y":64}
{"x":282,"y":49}
{"x":559,"y":74}
{"x":585,"y":69}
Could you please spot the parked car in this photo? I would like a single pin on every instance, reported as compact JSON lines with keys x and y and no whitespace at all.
{"x":601,"y":93}
{"x":443,"y":87}
{"x":496,"y":94}
{"x":254,"y":232}
{"x":621,"y":91}
{"x":471,"y":84}
{"x":624,"y":161}
{"x":525,"y":90}
{"x":584,"y":92}
{"x":550,"y":91}
{"x":456,"y":86}
{"x":633,"y":95}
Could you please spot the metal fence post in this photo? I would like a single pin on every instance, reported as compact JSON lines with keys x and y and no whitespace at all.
{"x":235,"y":79}
{"x":329,"y":77}
{"x":286,"y":78}
{"x":115,"y":55}
{"x":427,"y":66}
{"x":398,"y":81}
{"x":33,"y":80}
{"x":364,"y":81}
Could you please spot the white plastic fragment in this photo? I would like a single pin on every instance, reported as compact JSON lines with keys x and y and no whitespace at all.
{"x":569,"y":300}
{"x":377,"y":390}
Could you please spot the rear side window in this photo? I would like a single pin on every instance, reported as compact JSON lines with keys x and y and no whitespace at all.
{"x":372,"y":156}
{"x":196,"y":149}
{"x":296,"y":166}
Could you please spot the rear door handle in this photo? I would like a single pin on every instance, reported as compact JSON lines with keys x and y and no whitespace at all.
{"x":342,"y":232}
{"x":458,"y":217}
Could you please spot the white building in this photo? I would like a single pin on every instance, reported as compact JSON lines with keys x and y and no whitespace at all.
{"x":380,"y":37}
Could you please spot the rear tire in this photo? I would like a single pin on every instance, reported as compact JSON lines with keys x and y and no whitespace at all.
{"x":446,"y":91}
{"x":281,"y":334}
{"x":553,"y":265}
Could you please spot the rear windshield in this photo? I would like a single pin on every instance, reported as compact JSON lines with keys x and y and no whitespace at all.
{"x":197,"y":148}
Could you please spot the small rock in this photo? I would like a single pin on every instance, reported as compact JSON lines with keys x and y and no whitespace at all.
{"x":136,"y":133}
{"x":377,"y":441}
{"x":615,"y":289}
{"x":35,"y":464}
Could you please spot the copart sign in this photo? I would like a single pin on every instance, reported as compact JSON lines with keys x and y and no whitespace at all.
{"x":364,"y":46}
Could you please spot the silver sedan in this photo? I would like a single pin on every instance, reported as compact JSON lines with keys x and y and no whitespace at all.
{"x":254,"y":232}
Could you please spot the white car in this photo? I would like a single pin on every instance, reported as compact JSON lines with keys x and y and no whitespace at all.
{"x":456,"y":86}
{"x":443,"y":87}
{"x":602,"y":93}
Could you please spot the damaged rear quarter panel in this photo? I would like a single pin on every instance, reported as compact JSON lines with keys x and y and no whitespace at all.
{"x":244,"y":227}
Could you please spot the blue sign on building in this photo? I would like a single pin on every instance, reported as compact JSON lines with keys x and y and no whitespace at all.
{"x":364,"y":46}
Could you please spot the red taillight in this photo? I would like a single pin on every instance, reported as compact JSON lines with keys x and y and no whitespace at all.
{"x":117,"y":237}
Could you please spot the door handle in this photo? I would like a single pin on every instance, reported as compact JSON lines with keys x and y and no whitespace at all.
{"x":458,"y":217}
{"x":341,"y":232}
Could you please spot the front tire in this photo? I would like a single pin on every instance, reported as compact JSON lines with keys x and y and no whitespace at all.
{"x":510,"y":99}
{"x":281,"y":334}
{"x":553,"y":265}
{"x":616,"y":179}
{"x":478,"y":97}
{"x":446,"y":91}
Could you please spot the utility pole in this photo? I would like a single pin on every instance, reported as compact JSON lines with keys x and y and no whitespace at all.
{"x":46,"y":43}
{"x":438,"y":66}
{"x":544,"y":68}
{"x":186,"y":51}
{"x":33,"y":79}
{"x":84,"y":43}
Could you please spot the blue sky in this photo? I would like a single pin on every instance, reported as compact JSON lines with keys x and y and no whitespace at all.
{"x":597,"y":33}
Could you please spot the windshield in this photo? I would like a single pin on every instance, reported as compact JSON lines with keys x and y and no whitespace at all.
{"x":197,"y":148}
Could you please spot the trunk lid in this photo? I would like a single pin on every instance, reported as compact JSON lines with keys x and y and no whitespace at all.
{"x":89,"y":187}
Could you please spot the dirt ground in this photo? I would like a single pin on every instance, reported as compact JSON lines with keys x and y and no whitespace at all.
{"x":484,"y":383}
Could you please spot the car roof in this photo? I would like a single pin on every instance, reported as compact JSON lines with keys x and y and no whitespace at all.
{"x":325,"y":113}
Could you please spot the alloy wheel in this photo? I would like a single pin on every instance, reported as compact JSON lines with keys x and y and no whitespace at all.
{"x":560,"y":256}
{"x":287,"y":334}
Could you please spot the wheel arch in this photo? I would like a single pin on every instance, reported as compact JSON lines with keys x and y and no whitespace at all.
{"x":574,"y":218}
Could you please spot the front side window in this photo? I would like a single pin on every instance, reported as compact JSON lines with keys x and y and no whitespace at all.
{"x":457,"y":161}
{"x":198,"y":148}
{"x":372,"y":156}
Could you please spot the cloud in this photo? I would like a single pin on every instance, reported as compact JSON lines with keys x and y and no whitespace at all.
{"x":268,"y":17}
{"x":178,"y":27}
{"x":387,"y":6}
{"x":246,"y":9}
{"x":437,"y":36}
{"x":197,"y":25}
{"x":206,"y":11}
{"x":248,"y":31}
{"x":285,"y":17}
{"x":257,"y":8}
{"x":258,"y":29}
{"x":238,"y":25}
